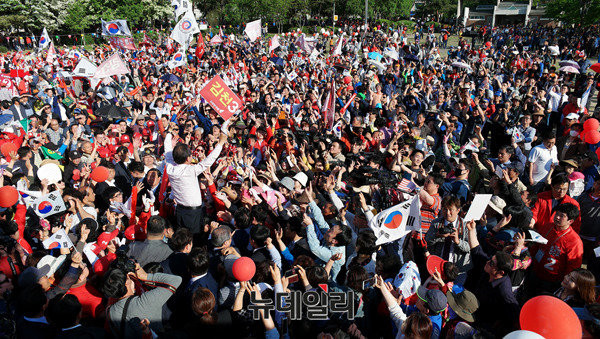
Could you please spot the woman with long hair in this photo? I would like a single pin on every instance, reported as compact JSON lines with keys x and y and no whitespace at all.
{"x":578,"y":288}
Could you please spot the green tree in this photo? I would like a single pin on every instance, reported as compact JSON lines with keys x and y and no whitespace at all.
{"x":12,"y":14}
{"x":80,"y":16}
{"x":437,"y":9}
{"x":574,"y":11}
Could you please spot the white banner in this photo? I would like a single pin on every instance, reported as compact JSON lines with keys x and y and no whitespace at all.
{"x":253,"y":30}
{"x":85,"y":68}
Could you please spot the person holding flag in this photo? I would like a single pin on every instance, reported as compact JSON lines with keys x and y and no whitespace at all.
{"x":199,"y":52}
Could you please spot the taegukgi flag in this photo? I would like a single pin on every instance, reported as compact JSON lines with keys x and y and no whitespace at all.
{"x":44,"y":39}
{"x":115,"y":27}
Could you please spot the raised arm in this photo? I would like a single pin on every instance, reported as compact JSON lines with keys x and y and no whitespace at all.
{"x":315,"y":246}
{"x":212,"y":157}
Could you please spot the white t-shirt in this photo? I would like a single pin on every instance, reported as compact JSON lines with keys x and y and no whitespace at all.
{"x":541,"y":160}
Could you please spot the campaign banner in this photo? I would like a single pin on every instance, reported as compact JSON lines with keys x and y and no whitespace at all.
{"x":113,"y":65}
{"x":221,"y":98}
{"x":120,"y":42}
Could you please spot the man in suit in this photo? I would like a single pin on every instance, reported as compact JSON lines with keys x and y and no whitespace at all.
{"x":200,"y":277}
{"x":241,"y":238}
{"x":123,"y":178}
{"x":176,"y":263}
{"x":263,"y":248}
{"x":64,"y":312}
{"x":198,"y":265}
{"x":18,"y":110}
{"x":153,"y":249}
{"x":33,"y":323}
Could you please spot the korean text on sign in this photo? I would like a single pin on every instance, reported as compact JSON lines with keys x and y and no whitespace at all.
{"x":221,"y":98}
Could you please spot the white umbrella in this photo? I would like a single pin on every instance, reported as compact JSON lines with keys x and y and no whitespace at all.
{"x":569,"y":63}
{"x":554,"y":50}
{"x":379,"y":65}
{"x":460,"y":64}
{"x":569,"y":69}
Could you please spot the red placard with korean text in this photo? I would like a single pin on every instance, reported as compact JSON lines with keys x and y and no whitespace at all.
{"x":119,"y":42}
{"x":221,"y":98}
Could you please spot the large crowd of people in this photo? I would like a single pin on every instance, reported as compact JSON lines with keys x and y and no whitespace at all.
{"x":164,"y":201}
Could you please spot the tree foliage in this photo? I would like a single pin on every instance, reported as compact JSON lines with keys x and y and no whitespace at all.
{"x":75,"y":16}
{"x":437,"y":9}
{"x":79,"y":15}
{"x":574,"y":11}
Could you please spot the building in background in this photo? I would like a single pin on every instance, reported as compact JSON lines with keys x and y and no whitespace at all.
{"x":506,"y":13}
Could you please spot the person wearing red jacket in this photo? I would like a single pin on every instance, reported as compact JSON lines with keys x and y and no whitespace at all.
{"x":572,"y":107}
{"x":543,"y":213}
{"x":559,"y":256}
{"x":20,"y":220}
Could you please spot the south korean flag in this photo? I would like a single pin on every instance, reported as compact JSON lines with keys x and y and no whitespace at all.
{"x":58,"y":240}
{"x":49,"y":204}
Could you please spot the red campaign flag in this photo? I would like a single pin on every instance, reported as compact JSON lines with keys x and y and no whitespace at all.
{"x":147,"y":41}
{"x":6,"y":82}
{"x":221,"y":98}
{"x":62,"y":84}
{"x":200,"y":46}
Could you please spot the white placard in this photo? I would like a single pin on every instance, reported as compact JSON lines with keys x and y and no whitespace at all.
{"x":478,"y":206}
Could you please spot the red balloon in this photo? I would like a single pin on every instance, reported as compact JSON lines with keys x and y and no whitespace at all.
{"x":99,"y":174}
{"x":8,"y":196}
{"x":243,"y":269}
{"x":8,"y":148}
{"x":591,"y":124}
{"x":592,"y":137}
{"x":550,"y":317}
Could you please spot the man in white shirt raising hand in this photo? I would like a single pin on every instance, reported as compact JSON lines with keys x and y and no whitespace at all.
{"x":183,"y":176}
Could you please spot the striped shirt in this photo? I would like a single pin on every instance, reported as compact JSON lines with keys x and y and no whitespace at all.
{"x":428,"y":213}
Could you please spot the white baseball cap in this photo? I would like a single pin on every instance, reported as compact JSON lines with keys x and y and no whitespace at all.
{"x":49,"y":264}
{"x":301,"y":178}
{"x":571,"y":116}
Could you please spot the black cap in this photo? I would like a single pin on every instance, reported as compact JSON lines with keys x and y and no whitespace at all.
{"x":75,"y":155}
